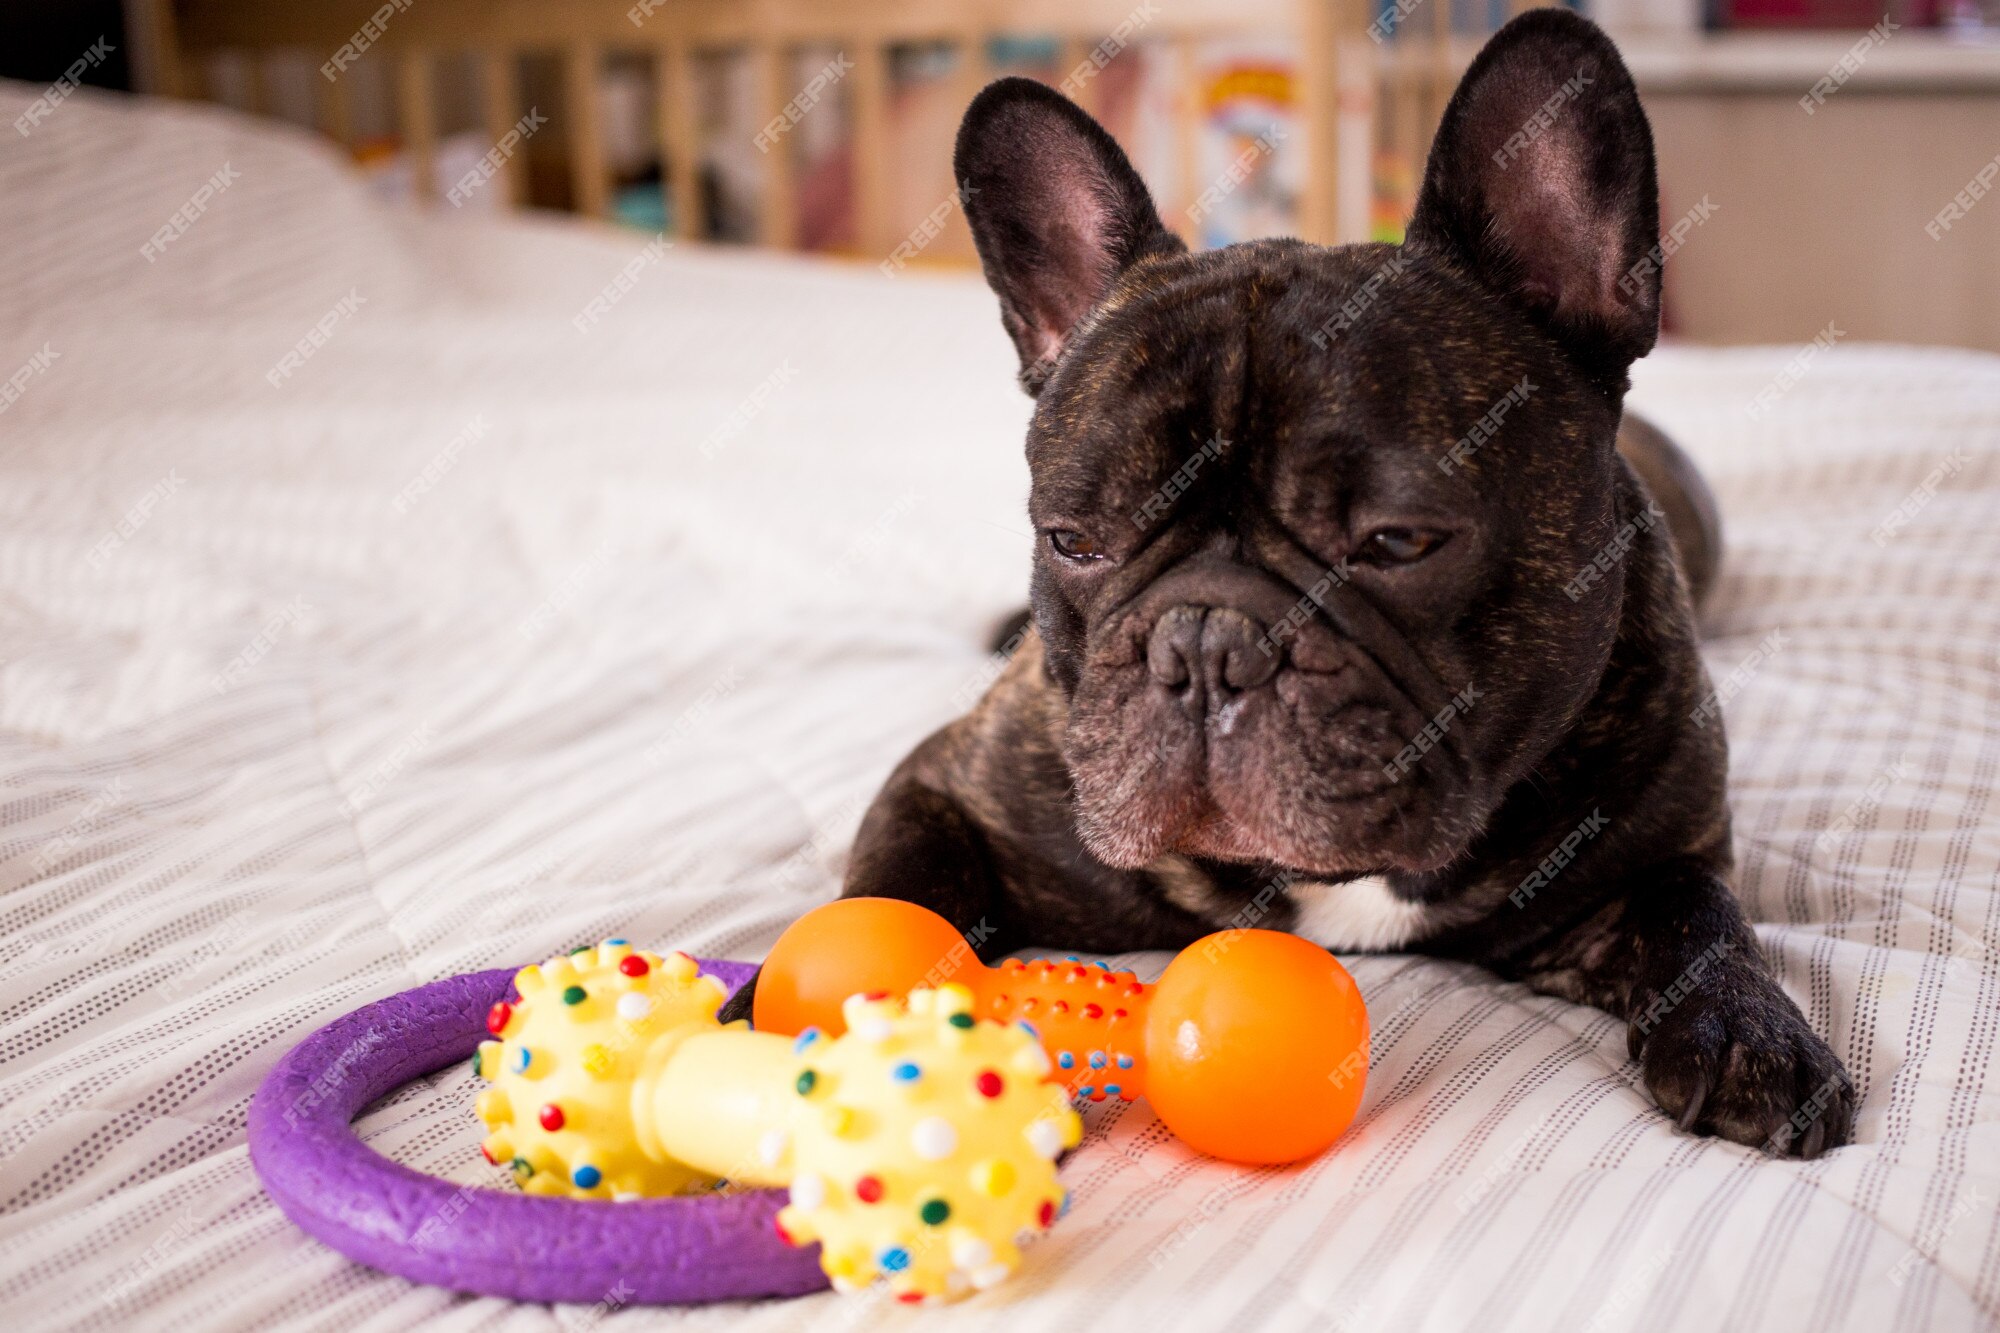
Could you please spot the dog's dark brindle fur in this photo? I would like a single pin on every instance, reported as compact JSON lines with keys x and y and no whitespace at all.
{"x":1215,"y":718}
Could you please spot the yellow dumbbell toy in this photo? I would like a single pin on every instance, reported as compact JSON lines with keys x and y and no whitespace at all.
{"x":917,"y":1147}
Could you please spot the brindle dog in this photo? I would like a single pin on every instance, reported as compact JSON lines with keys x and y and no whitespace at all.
{"x":1349,"y":615}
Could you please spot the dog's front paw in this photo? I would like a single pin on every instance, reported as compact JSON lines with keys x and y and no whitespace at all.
{"x":1732,"y":1055}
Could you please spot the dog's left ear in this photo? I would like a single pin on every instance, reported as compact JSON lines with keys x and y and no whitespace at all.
{"x":1056,"y":210}
{"x":1541,"y":184}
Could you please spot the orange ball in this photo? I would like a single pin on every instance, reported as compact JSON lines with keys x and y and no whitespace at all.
{"x":844,"y":948}
{"x":1258,"y":1046}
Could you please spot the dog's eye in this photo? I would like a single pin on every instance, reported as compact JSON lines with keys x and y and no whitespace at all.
{"x":1072,"y":545}
{"x":1399,"y":546}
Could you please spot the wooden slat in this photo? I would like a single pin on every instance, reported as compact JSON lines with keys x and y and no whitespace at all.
{"x":335,"y":109}
{"x":1071,"y":56}
{"x":869,"y":87}
{"x":1187,"y":138}
{"x":499,"y":110}
{"x":1439,"y":84}
{"x":680,"y":137}
{"x":974,"y":70}
{"x":1319,"y":119}
{"x":1412,"y":93}
{"x":256,"y":83}
{"x":590,"y":183}
{"x":1357,"y":80}
{"x":778,"y":221}
{"x":416,"y":113}
{"x":156,"y":50}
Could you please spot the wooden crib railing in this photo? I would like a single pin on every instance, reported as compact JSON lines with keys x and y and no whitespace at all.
{"x":1360,"y":85}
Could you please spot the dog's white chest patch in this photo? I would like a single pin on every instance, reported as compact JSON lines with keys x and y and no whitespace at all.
{"x":1358,"y":914}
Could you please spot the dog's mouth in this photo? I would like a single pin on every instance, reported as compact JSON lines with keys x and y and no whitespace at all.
{"x":1329,"y":772}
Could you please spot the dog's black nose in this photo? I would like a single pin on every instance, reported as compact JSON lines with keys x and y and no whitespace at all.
{"x":1210,"y":651}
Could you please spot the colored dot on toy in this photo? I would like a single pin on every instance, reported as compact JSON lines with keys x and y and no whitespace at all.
{"x":1029,"y":1028}
{"x":1059,"y":1007}
{"x":1097,"y":1059}
{"x":989,"y":1083}
{"x":478,"y":1064}
{"x":771,"y":1147}
{"x":868,"y":1189}
{"x":1033,"y":1061}
{"x":619,"y":942}
{"x":1065,"y":1060}
{"x":1124,"y":1062}
{"x":1046,"y":1138}
{"x":912,"y":1297}
{"x":1089,"y":1090}
{"x":585,"y":1177}
{"x":1113,"y":1089}
{"x":783,"y":1234}
{"x":934,"y":1212}
{"x":572,"y":995}
{"x":960,"y":1020}
{"x":521,"y":1059}
{"x":874,"y":1029}
{"x":894,"y":1259}
{"x":597,"y":1059}
{"x":808,"y":1192}
{"x":804,"y":1039}
{"x":521,"y":1167}
{"x":1093,"y":1011}
{"x":990,"y":1275}
{"x":1046,"y":1214}
{"x":971,"y":1252}
{"x":993,"y":1177}
{"x":934,"y":1139}
{"x":633,"y":965}
{"x":838,"y":1119}
{"x":551,"y":1117}
{"x":906,"y":1073}
{"x":805,"y":1082}
{"x":497,"y":1016}
{"x":486,"y":1151}
{"x":1069,"y":958}
{"x":634,"y":1007}
{"x":581,"y":948}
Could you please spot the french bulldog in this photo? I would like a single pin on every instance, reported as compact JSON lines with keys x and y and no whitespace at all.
{"x":1352,"y":613}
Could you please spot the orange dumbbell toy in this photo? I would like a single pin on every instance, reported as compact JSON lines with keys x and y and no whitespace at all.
{"x":1253,"y":1045}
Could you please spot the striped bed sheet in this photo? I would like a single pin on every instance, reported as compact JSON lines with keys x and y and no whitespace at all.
{"x":387,"y":596}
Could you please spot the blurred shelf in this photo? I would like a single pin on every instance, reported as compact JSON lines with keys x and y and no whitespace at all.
{"x":1910,"y":60}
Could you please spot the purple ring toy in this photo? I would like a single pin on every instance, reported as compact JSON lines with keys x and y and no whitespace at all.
{"x":714,"y":1247}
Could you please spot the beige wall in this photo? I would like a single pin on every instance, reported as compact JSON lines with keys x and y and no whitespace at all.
{"x":1821,"y":218}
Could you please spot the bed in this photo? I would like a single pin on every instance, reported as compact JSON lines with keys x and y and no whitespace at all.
{"x":386,"y":596}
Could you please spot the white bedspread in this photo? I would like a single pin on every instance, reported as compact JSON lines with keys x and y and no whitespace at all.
{"x":479,"y":632}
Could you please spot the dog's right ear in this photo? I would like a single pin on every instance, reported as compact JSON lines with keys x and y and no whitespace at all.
{"x":1056,"y":210}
